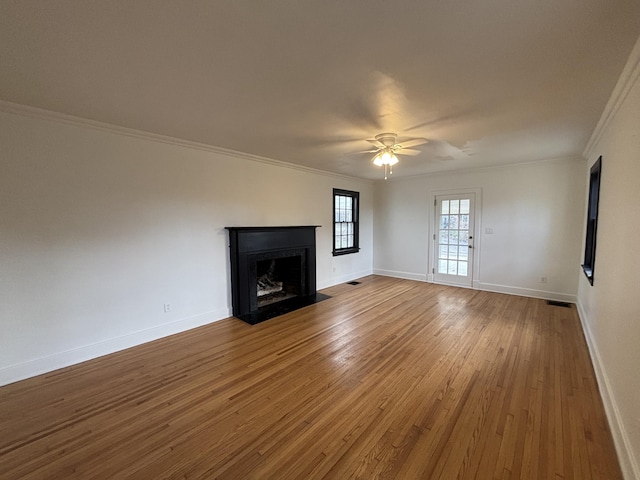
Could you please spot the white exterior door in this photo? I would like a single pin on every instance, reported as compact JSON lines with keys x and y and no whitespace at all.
{"x":454,"y":239}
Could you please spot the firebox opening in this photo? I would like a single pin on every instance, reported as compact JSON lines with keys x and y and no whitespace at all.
{"x":278,"y":279}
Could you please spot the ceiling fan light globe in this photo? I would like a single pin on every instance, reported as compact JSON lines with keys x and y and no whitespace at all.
{"x":377,"y":160}
{"x":393,"y":160}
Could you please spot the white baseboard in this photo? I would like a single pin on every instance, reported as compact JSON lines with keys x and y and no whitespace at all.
{"x":628,"y":463}
{"x":39,"y":366}
{"x":525,"y":292}
{"x":489,"y":287}
{"x":421,"y":277}
{"x":342,"y":279}
{"x":21,"y":371}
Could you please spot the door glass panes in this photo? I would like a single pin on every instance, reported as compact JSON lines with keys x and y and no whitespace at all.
{"x":453,"y":237}
{"x":442,"y":265}
{"x":462,"y":268}
{"x":453,"y":267}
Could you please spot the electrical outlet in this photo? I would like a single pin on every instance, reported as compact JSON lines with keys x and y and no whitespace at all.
{"x":543,"y":279}
{"x":167,"y":307}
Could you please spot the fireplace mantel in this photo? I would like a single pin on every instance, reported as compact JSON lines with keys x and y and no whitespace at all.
{"x":250,"y":245}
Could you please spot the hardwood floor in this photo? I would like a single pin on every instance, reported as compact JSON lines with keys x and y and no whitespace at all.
{"x":387,"y":379}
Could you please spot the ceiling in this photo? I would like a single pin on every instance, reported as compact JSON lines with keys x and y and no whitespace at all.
{"x":307,"y":82}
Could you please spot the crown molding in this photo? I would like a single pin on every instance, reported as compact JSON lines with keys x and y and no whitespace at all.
{"x":627,"y":80}
{"x":501,"y":166}
{"x":49,"y":115}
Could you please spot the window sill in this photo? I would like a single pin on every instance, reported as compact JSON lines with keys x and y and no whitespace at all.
{"x":345,"y":251}
{"x":588,"y":271}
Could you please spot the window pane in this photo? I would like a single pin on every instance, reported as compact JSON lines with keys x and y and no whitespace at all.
{"x":445,"y":206}
{"x":454,"y":206}
{"x":453,"y":221}
{"x":444,"y":236}
{"x":444,"y":251}
{"x":463,"y":253}
{"x":462,"y":269}
{"x":464,"y":222}
{"x":453,"y":237}
{"x":345,"y":213}
{"x":453,"y":267}
{"x":464,"y":206}
{"x":444,"y":222}
{"x":464,"y":238}
{"x":592,"y":220}
{"x":453,"y":252}
{"x":442,"y":266}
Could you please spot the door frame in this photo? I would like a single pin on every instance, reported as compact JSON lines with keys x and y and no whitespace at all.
{"x":477,"y":222}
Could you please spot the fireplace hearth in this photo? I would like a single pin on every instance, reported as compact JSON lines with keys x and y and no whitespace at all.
{"x":273,"y":271}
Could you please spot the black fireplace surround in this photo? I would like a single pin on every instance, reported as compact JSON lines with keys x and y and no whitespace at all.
{"x":253,"y":250}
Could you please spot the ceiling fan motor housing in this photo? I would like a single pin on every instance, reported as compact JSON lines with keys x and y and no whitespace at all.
{"x":387,"y":139}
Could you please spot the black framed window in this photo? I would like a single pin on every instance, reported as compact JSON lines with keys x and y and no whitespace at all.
{"x":345,"y":221}
{"x":592,"y":220}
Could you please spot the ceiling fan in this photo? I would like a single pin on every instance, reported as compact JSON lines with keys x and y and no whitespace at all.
{"x":387,"y":148}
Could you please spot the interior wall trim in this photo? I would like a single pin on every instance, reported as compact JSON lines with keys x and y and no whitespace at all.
{"x":526,"y":292}
{"x":501,"y":166}
{"x":627,"y":80}
{"x":628,"y":463}
{"x":42,"y":114}
{"x":39,"y":366}
{"x":487,"y":287}
{"x":420,"y":277}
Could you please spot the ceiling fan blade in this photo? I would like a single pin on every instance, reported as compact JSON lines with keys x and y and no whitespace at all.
{"x":408,"y":151}
{"x":413,"y":142}
{"x":375,"y":143}
{"x":369,"y":151}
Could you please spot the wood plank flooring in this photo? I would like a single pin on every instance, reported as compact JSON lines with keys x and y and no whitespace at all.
{"x":388,"y":379}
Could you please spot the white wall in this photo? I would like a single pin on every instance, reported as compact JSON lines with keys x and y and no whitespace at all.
{"x":535,"y":211}
{"x":101,"y":227}
{"x":610,"y":309}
